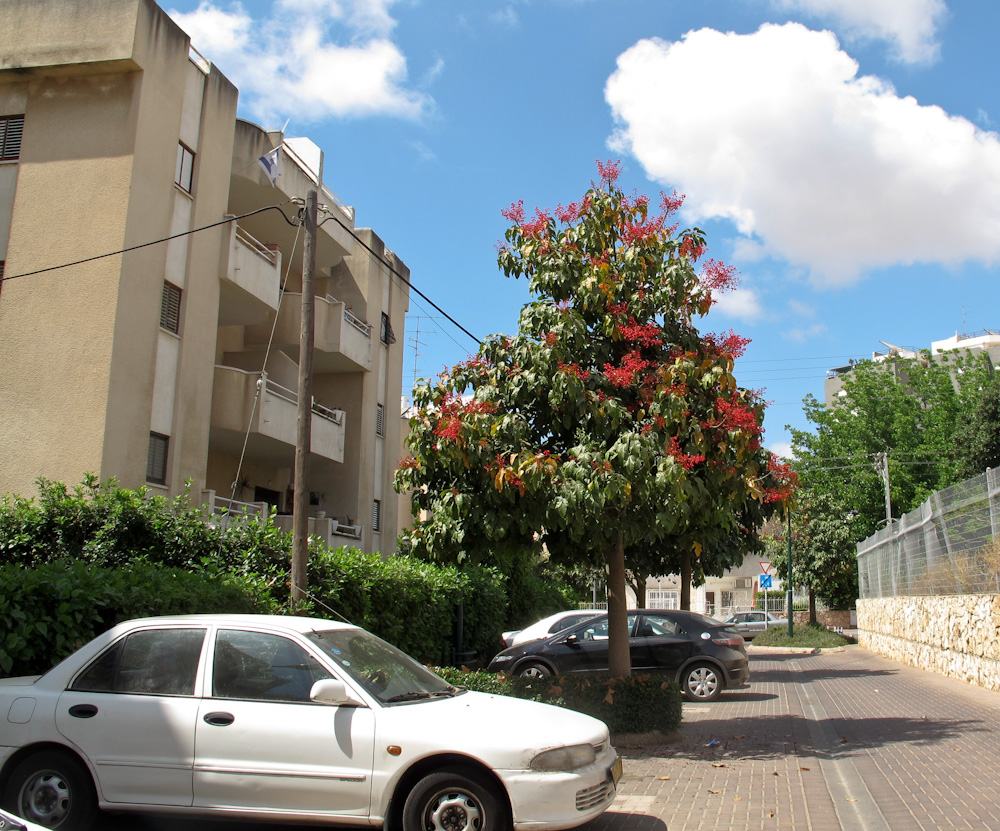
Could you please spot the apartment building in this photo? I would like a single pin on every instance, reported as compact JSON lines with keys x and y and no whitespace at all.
{"x":174,"y":364}
{"x":986,"y":341}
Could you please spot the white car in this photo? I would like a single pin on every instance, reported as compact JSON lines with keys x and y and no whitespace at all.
{"x":288,"y":718}
{"x":547,"y":626}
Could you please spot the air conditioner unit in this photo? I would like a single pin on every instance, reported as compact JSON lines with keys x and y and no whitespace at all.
{"x":744,"y":582}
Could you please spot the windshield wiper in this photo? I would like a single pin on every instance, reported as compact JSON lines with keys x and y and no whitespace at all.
{"x":416,"y":695}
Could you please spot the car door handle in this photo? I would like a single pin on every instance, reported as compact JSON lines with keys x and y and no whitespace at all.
{"x":83,"y":711}
{"x":219,"y":719}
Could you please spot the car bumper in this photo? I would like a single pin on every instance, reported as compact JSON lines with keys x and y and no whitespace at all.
{"x":556,"y":800}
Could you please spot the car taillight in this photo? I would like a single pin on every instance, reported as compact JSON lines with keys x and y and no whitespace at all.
{"x":728,"y":640}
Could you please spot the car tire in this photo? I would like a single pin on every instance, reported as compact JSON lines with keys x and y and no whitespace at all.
{"x":454,"y":800}
{"x":701,"y":682}
{"x":534,"y":671}
{"x":52,"y":789}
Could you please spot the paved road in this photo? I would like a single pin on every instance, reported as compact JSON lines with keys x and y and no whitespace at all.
{"x":844,"y":740}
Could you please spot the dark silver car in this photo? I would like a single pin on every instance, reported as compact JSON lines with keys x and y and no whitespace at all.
{"x":753,"y":623}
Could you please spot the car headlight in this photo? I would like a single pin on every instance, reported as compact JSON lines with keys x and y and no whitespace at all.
{"x":565,"y":758}
{"x":499,"y":659}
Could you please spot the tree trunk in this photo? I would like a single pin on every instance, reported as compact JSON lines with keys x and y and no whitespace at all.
{"x":686,"y":570}
{"x":619,"y":659}
{"x":638,"y":584}
{"x":812,"y":606}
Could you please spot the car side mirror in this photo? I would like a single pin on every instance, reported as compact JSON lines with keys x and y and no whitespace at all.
{"x":571,"y":639}
{"x":333,"y":691}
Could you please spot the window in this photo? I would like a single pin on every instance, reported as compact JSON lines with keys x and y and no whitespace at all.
{"x":263,"y":667}
{"x":386,"y":335}
{"x":379,"y":420}
{"x":153,"y":662}
{"x":184,"y":172}
{"x":156,"y":459}
{"x":377,"y":515}
{"x":11,"y":130}
{"x":662,"y":599}
{"x":657,"y":626}
{"x":170,"y":308}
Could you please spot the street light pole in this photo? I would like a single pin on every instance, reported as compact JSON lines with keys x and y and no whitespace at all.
{"x":788,"y":595}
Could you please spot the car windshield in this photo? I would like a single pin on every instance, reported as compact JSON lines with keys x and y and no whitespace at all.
{"x":385,"y":672}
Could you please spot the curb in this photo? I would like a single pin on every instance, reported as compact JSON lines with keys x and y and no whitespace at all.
{"x":805,"y":650}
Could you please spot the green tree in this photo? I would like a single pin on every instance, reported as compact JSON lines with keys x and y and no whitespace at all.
{"x":608,"y":424}
{"x":823,"y":550}
{"x":976,"y":443}
{"x":903,"y":411}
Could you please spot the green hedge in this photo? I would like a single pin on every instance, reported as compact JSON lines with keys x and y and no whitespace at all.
{"x":49,"y":611}
{"x":636,"y":704}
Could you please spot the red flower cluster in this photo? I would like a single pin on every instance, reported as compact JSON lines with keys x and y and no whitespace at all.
{"x":550,"y":338}
{"x":574,"y":370}
{"x":735,"y":416}
{"x":409,"y":463}
{"x":573,"y":211}
{"x":784,"y":478}
{"x":731,"y":344}
{"x":632,"y":232}
{"x":671,"y":204}
{"x":609,"y":171}
{"x":515,"y":213}
{"x":685,"y":460}
{"x":623,"y":376}
{"x":717,"y":276}
{"x":691,"y":250}
{"x":644,"y":334}
{"x":453,"y":410}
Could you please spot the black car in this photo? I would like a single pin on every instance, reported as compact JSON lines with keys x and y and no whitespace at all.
{"x":704,"y":655}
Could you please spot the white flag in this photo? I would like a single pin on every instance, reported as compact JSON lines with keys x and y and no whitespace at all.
{"x":269,"y":161}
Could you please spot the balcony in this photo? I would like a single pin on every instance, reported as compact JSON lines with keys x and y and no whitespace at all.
{"x":268,"y":423}
{"x":343,"y":341}
{"x":249,"y":290}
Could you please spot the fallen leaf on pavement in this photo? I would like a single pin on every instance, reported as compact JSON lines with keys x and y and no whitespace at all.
{"x":843,"y":739}
{"x":711,"y":791}
{"x":664,"y":778}
{"x":770,"y":813}
{"x":776,"y":774}
{"x":803,"y":768}
{"x":851,"y":800}
{"x":737,"y":799}
{"x":718,"y":764}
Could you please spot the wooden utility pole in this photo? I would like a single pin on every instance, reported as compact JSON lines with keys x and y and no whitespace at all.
{"x":303,"y":439}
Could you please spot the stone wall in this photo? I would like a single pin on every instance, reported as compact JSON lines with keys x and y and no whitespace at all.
{"x":825,"y":617}
{"x":954,"y":635}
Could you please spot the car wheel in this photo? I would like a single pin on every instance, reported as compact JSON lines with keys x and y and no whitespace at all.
{"x":534,"y":671}
{"x":450,"y":800}
{"x":701,"y":682}
{"x":52,"y":789}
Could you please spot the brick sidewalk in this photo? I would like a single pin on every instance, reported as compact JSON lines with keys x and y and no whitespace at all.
{"x":844,"y":740}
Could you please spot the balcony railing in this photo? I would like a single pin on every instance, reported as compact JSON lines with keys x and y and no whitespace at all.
{"x":350,"y":317}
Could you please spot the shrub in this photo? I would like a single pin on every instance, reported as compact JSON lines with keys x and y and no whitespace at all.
{"x":635,"y":704}
{"x":49,"y":611}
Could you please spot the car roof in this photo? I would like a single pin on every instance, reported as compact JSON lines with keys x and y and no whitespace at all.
{"x":288,"y":622}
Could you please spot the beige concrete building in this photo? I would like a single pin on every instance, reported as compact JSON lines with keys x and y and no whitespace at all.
{"x":177,"y":362}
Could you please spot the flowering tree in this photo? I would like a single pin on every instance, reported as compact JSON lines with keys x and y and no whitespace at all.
{"x":608,"y":424}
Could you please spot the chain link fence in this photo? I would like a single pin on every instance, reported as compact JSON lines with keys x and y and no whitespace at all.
{"x":949,"y":545}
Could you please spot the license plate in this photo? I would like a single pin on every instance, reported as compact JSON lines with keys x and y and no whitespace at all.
{"x":616,"y":771}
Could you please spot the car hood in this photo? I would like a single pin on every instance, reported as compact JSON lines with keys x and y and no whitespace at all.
{"x":480,"y":725}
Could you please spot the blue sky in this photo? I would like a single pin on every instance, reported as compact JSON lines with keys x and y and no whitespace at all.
{"x":840,"y":153}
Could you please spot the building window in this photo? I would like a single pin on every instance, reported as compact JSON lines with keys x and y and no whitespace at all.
{"x":156,"y":460}
{"x":662,"y":599}
{"x":377,"y":515}
{"x":11,"y":130}
{"x":379,"y":420}
{"x":185,"y":168}
{"x":386,"y":335}
{"x":170,"y":308}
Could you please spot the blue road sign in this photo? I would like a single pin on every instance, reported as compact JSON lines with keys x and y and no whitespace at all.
{"x":765,"y":581}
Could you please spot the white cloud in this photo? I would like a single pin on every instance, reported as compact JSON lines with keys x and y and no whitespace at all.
{"x":507,"y":16}
{"x":801,"y":334}
{"x":800,"y":309}
{"x":776,"y":132}
{"x":782,"y":449}
{"x":909,"y":25}
{"x":311,"y":59}
{"x":741,"y":303}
